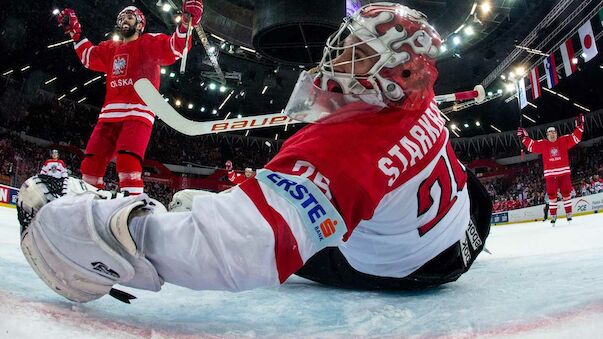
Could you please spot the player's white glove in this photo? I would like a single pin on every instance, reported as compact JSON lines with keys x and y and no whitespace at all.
{"x":182,"y":201}
{"x":80,"y":245}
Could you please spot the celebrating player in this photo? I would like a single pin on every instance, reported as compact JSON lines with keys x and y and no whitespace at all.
{"x":369,"y":196}
{"x":237,"y":178}
{"x":125,"y":123}
{"x":54,"y":166}
{"x":557,"y":173}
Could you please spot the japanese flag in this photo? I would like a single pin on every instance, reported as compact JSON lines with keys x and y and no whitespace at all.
{"x":587,"y":38}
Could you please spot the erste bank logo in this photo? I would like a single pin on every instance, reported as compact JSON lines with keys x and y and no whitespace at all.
{"x":320,"y":218}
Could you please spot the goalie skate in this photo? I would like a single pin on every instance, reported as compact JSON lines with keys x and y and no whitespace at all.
{"x":41,"y":189}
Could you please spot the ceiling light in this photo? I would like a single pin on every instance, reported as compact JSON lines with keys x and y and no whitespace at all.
{"x":212,"y":86}
{"x":178,"y":103}
{"x":115,"y":37}
{"x":172,"y":74}
{"x":163,"y":71}
{"x":502,"y":76}
{"x":477,"y":123}
{"x":466,"y":125}
{"x":453,"y":126}
{"x":202,"y":109}
{"x":469,"y":30}
{"x":214,"y":111}
{"x":456,"y":40}
{"x":55,"y":11}
{"x":485,"y":7}
{"x":520,"y":71}
{"x":190,"y":106}
{"x":575,"y":61}
{"x":443,"y":49}
{"x":239,"y":116}
{"x":500,"y":91}
{"x":177,"y":19}
{"x":490,"y":94}
{"x":510,"y":88}
{"x":166,"y":7}
{"x":222,"y":89}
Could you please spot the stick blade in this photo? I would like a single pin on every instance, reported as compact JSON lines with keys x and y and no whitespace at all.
{"x":148,"y":93}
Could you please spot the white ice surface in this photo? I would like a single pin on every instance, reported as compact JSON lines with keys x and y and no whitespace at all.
{"x":539,"y":282}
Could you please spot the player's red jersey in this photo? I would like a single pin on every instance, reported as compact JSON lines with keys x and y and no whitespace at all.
{"x":236,"y":178}
{"x":555,"y":154}
{"x":126,"y":62}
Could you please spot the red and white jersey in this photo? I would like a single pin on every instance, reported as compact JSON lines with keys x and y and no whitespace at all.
{"x":236,"y":178}
{"x":55,"y":168}
{"x":386,"y":188}
{"x":126,"y":62}
{"x":555,"y":154}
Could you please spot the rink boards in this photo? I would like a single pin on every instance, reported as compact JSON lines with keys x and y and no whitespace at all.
{"x":8,"y":196}
{"x":582,"y":205}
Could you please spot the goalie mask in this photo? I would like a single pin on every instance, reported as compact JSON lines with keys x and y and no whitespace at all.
{"x":384,"y":55}
{"x":134,"y":11}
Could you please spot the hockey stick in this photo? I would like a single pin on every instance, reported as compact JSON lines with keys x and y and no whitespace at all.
{"x":478,"y":94}
{"x":175,"y":120}
{"x":172,"y":118}
{"x":189,"y":30}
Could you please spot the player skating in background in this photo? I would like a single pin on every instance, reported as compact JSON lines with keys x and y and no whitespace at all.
{"x":557,"y":173}
{"x":237,"y":178}
{"x":54,"y":166}
{"x":369,"y":196}
{"x":125,"y":123}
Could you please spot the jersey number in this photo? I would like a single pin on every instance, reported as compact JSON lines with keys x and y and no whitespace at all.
{"x":443,"y":174}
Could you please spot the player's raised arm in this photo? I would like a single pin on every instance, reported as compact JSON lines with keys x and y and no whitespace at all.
{"x":90,"y":56}
{"x":168,"y":49}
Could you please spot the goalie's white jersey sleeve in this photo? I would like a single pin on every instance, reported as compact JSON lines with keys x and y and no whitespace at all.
{"x":386,"y":188}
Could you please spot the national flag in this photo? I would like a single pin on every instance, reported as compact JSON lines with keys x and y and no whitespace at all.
{"x":535,"y":82}
{"x":567,"y":53}
{"x":550,"y":67}
{"x":521,"y":93}
{"x":587,"y":38}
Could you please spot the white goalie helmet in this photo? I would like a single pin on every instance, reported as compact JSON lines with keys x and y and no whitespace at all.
{"x":402,"y":47}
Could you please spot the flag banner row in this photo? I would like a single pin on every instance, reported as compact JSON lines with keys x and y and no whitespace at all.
{"x":568,"y":59}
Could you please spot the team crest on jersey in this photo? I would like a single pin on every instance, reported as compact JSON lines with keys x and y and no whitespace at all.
{"x":554,"y":152}
{"x":120,"y":65}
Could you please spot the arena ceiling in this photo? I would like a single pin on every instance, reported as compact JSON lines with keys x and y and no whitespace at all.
{"x":274,"y":62}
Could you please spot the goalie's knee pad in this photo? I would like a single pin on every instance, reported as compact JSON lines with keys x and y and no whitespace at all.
{"x":182,"y":201}
{"x":83,"y":255}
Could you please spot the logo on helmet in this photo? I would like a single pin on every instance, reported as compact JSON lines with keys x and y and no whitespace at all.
{"x":404,"y":47}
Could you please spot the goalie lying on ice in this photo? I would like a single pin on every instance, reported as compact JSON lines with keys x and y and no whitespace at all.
{"x":368,"y":196}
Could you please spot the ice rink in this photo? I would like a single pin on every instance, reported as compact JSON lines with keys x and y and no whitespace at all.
{"x":539,"y":282}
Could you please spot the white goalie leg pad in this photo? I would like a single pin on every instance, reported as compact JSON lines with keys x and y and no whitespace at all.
{"x":71,"y":246}
{"x":182,"y":201}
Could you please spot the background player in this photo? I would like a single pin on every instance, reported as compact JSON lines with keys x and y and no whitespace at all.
{"x":54,"y":166}
{"x":125,"y":123}
{"x":557,"y":173}
{"x":237,"y":178}
{"x":392,"y":209}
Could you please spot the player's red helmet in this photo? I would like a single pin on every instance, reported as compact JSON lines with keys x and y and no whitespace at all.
{"x":137,"y":13}
{"x":406,"y":46}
